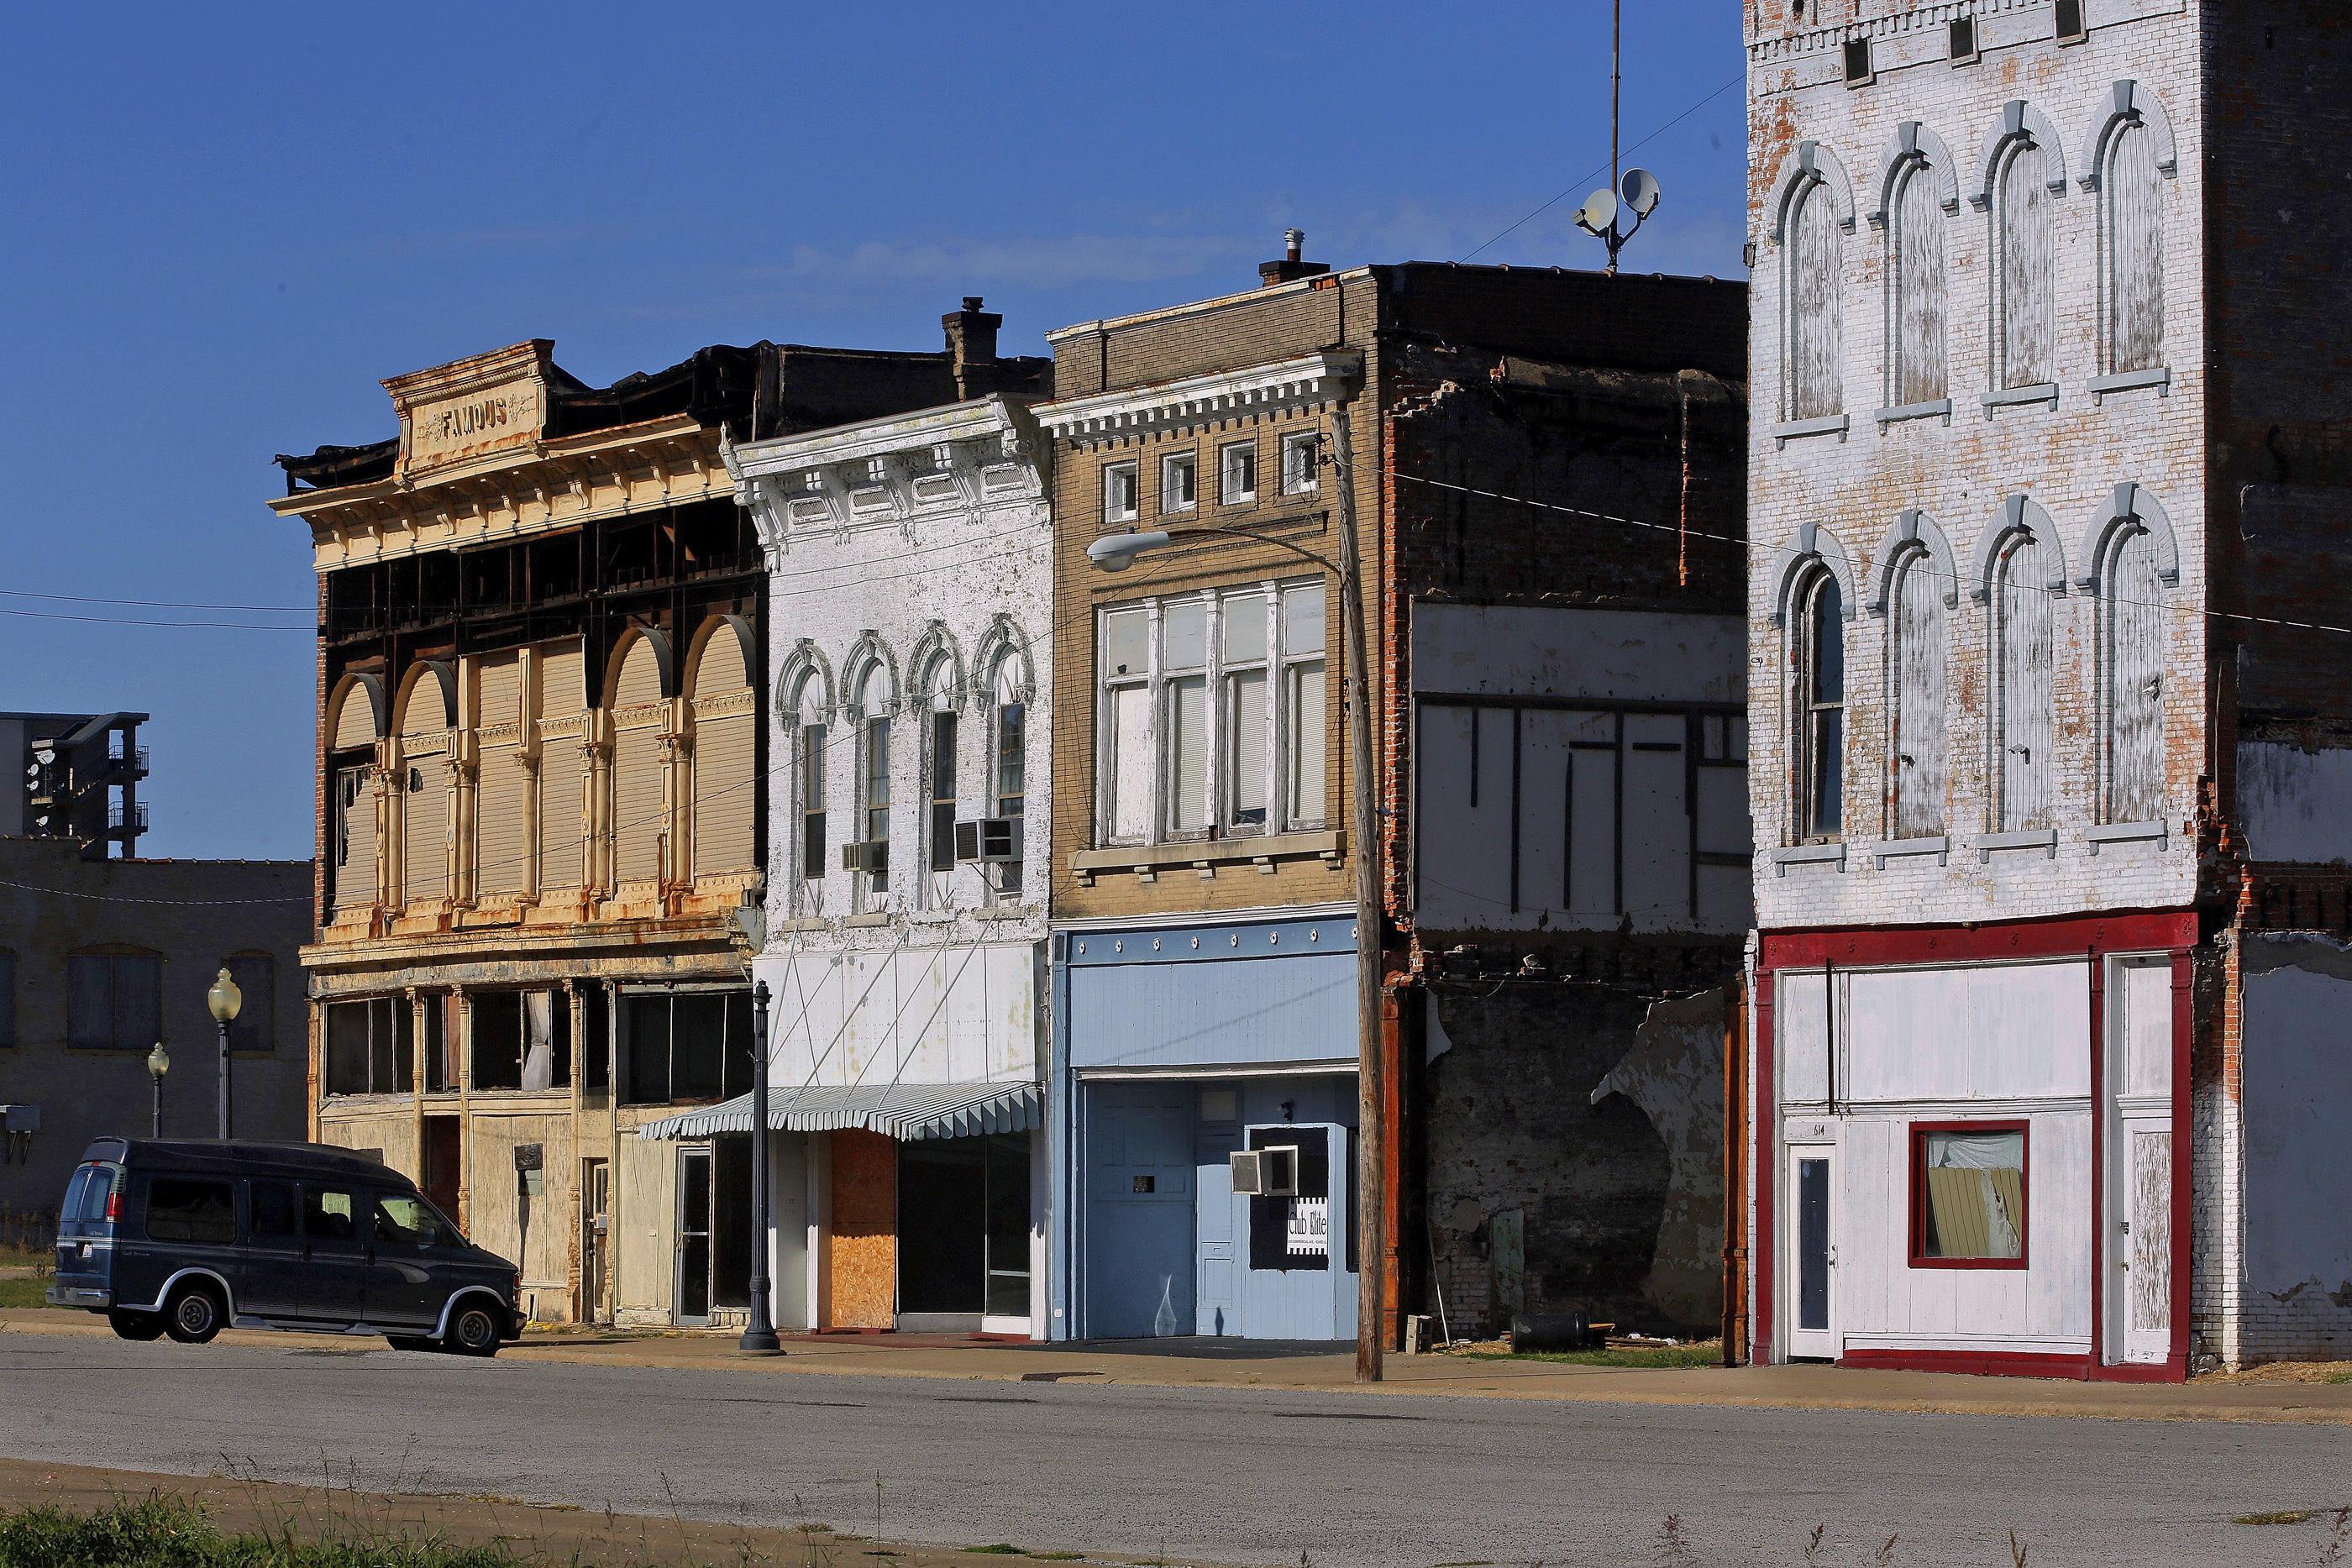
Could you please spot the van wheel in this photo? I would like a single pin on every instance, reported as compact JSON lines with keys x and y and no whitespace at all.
{"x":474,"y":1330}
{"x":195,"y":1314}
{"x":136,"y":1325}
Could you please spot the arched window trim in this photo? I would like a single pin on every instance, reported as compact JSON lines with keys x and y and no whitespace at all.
{"x":1815,"y":171}
{"x":2018,"y":119}
{"x":1915,"y":526}
{"x":1914,"y":144}
{"x":938,"y":643}
{"x":665,"y":662}
{"x":1814,"y":165}
{"x":869,"y":660}
{"x":2018,"y":513}
{"x":369,"y":688}
{"x":743,"y":651}
{"x":2127,"y":103}
{"x":803,"y":663}
{"x":1002,"y":641}
{"x":446,"y":680}
{"x":1813,"y":544}
{"x":2129,"y":505}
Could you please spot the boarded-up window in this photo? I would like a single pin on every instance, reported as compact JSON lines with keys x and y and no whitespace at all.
{"x":1919,"y":294}
{"x":562,"y":810}
{"x":2135,"y":668}
{"x":561,"y":690}
{"x":114,"y":1001}
{"x":638,"y":825}
{"x":640,"y":678}
{"x":1816,"y":340}
{"x":353,"y":722}
{"x":2027,"y":328}
{"x":2135,"y":195}
{"x":1916,"y":754}
{"x":424,"y":826}
{"x":723,"y":792}
{"x":353,"y":871}
{"x":501,"y":782}
{"x":500,"y":690}
{"x":2021,"y":659}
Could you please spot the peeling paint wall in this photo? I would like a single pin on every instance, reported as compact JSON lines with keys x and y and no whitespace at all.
{"x":2295,"y":803}
{"x":2296,"y":1289}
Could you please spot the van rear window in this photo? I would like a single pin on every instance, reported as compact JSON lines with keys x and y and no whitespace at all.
{"x":71,"y":1208}
{"x":180,"y":1209}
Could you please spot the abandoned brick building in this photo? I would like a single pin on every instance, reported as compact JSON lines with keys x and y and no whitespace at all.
{"x":2051,"y":505}
{"x":1548,"y":496}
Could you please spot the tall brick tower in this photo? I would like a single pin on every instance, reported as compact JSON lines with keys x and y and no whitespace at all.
{"x":2050,"y":777}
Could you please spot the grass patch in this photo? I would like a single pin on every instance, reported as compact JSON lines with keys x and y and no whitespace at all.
{"x":2286,"y":1516}
{"x":170,"y":1532}
{"x":1669,"y":1355}
{"x":23,"y":1293}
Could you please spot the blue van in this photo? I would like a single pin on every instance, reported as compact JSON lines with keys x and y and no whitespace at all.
{"x":186,"y":1238}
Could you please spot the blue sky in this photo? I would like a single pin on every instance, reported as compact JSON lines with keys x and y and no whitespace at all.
{"x":223,"y":226}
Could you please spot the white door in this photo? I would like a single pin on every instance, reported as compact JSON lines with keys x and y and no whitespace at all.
{"x":2142,"y":1250}
{"x":1812,"y":1270}
{"x":2138,"y":1250}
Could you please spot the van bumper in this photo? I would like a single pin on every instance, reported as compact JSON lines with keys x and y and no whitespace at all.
{"x":75,"y":1296}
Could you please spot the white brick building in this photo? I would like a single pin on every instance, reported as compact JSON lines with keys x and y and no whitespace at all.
{"x":2004,"y":338}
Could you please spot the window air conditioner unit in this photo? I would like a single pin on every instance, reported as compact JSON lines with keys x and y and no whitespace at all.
{"x":1266,"y":1173}
{"x":988,"y":839}
{"x":872,"y":857}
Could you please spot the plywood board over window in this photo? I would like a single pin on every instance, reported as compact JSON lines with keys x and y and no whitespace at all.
{"x":2135,"y":695}
{"x":865,"y":1236}
{"x":501,"y":782}
{"x":725,"y":712}
{"x":2028,"y":327}
{"x":1816,"y":337}
{"x":1919,"y":292}
{"x":1917,"y":756}
{"x":2135,"y":192}
{"x":2021,"y":649}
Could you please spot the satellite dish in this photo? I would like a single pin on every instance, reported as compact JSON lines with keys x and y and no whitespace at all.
{"x":1641,"y":188}
{"x":1599,"y":211}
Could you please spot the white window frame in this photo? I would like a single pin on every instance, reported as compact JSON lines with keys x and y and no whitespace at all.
{"x":1170,"y":463}
{"x":1298,"y":477}
{"x":1227,"y":494}
{"x":1115,"y":477}
{"x":1277,"y":662}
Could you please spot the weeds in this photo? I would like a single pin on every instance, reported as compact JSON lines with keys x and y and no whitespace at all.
{"x":170,"y":1533}
{"x":2339,"y":1536}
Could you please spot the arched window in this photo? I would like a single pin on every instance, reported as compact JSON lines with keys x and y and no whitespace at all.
{"x":1916,"y":289}
{"x":2132,"y":657}
{"x":640,"y":831}
{"x":1814,"y":349}
{"x":805,"y":736}
{"x":2022,"y":769}
{"x":726,"y":710}
{"x":2133,"y":197}
{"x":427,"y":799}
{"x":1817,"y":646}
{"x":941,"y":757}
{"x":2024,"y":315}
{"x":871,"y":705}
{"x":1915,"y":741}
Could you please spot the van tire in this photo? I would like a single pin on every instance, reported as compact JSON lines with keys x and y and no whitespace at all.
{"x":136,"y":1325}
{"x":194,"y":1313}
{"x":475,"y":1329}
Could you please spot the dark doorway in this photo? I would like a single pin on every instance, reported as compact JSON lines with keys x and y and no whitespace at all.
{"x":963,"y":1226}
{"x":442,"y":1142}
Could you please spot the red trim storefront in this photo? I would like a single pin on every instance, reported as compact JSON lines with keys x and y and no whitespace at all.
{"x":2092,"y":936}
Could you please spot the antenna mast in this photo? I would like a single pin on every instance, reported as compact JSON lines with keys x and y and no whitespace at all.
{"x":1616,"y":39}
{"x":1600,"y":214}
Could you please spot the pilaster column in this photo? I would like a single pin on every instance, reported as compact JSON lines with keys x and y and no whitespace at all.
{"x":464,"y":1075}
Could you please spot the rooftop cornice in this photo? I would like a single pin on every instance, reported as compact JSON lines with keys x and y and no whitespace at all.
{"x":513,"y":462}
{"x":1309,"y":378}
{"x":995,"y":414}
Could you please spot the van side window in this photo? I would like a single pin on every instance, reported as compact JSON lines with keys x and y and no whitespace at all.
{"x":399,"y":1218}
{"x":329,"y":1216}
{"x":273,"y":1208}
{"x":180,"y":1208}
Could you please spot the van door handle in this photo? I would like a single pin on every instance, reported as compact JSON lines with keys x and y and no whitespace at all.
{"x":369,"y":1254}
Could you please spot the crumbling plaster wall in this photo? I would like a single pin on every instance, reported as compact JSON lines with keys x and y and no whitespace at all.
{"x":2295,"y":1092}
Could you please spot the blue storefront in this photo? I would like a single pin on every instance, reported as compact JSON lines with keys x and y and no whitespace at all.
{"x":1181,"y":1044}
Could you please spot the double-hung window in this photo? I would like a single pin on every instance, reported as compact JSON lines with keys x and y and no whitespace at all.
{"x":877,"y":770}
{"x":1298,"y":454}
{"x":812,"y":833}
{"x":1180,"y":482}
{"x":1119,"y":486}
{"x":943,"y":790}
{"x":1237,"y":473}
{"x":1212,"y":715}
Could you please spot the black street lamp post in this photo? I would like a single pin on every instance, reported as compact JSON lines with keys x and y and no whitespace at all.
{"x":159,"y":1063}
{"x":224,"y":999}
{"x":759,"y":1333}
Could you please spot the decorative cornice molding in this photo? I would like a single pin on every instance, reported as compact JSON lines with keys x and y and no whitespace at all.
{"x":1259,"y":389}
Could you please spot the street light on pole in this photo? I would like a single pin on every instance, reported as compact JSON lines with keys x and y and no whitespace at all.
{"x":159,"y":1063}
{"x":759,"y":1332}
{"x":1116,"y":552}
{"x":224,"y":999}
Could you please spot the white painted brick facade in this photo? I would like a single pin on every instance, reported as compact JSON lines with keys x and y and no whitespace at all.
{"x":2068,"y":459}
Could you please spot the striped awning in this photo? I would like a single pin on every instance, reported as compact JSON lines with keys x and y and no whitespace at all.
{"x":906,"y":1112}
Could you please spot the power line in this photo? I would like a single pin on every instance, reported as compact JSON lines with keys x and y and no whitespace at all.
{"x":153,"y":604}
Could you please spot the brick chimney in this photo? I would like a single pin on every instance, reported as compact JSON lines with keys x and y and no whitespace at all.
{"x":972,"y":344}
{"x":1270,"y":273}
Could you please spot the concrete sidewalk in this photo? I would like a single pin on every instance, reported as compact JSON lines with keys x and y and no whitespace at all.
{"x":1252,"y":1364}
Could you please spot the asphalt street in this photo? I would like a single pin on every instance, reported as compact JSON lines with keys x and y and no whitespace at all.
{"x":1224,"y":1475}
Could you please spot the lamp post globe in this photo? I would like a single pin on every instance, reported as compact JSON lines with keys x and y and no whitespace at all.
{"x":159,"y":1063}
{"x":224,"y":999}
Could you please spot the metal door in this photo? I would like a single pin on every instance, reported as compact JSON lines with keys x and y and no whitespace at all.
{"x":1812,"y":1253}
{"x":1140,"y":1257}
{"x":692,"y":1301}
